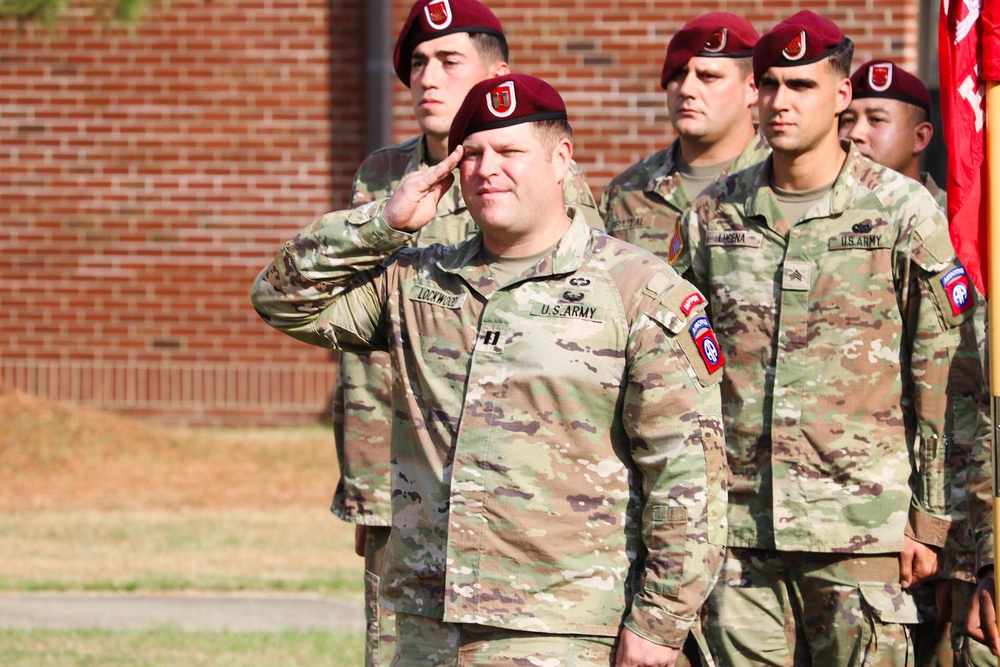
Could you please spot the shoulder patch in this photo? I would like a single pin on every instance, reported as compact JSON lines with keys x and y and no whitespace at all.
{"x":956,"y":286}
{"x":676,"y":244}
{"x":953,"y":295}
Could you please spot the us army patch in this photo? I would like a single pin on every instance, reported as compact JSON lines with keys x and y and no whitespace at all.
{"x":708,"y":346}
{"x":862,"y":241}
{"x":571,"y":310}
{"x":735,"y":237}
{"x":435,"y":296}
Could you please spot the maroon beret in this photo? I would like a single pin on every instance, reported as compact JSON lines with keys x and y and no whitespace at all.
{"x":716,"y":34}
{"x":430,"y":19}
{"x":503,"y":101}
{"x":882,"y":78}
{"x":803,"y":38}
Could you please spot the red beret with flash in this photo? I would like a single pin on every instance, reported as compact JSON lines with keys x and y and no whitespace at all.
{"x":712,"y":35}
{"x":430,"y":19}
{"x":503,"y":101}
{"x":882,"y":78}
{"x":801,"y":39}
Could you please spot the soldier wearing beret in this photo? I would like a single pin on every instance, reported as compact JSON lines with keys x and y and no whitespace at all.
{"x":840,"y":306}
{"x":710,"y":95}
{"x":558,"y":484}
{"x":888,"y":122}
{"x":443,"y":49}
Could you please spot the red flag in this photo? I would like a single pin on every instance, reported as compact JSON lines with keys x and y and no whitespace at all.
{"x":967,"y":30}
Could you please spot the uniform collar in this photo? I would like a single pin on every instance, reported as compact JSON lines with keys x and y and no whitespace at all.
{"x":467,"y":261}
{"x":663,"y":179}
{"x":761,"y":200}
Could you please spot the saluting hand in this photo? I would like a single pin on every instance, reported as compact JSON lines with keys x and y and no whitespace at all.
{"x":414,"y":204}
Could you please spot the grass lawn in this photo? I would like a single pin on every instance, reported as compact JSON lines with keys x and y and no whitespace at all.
{"x":92,"y":501}
{"x":166,"y":647}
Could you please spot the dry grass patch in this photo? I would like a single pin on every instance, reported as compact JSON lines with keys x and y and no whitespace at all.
{"x":96,"y":501}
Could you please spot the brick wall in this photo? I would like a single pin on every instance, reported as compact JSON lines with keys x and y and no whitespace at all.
{"x":146,"y":177}
{"x":605,"y":59}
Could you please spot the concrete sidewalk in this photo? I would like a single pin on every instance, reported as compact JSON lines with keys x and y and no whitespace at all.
{"x":238,"y":613}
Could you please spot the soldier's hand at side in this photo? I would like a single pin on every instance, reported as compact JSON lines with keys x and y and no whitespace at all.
{"x":917,"y":562}
{"x":360,"y":537}
{"x":981,"y":623}
{"x":634,"y":651}
{"x":942,"y":599}
{"x":414,"y":204}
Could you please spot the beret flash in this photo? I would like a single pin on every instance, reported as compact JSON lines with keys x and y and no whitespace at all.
{"x":882,"y":78}
{"x":715,"y":34}
{"x":801,"y":39}
{"x":503,"y":101}
{"x":430,"y":19}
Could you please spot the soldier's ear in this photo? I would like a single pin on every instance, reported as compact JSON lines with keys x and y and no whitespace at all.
{"x":499,"y":69}
{"x":844,"y":95}
{"x":922,"y":134}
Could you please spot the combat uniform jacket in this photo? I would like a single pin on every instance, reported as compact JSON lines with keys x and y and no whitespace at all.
{"x":644,"y":204}
{"x":548,"y":436}
{"x":838,"y":332}
{"x":362,"y":413}
{"x":940,"y":196}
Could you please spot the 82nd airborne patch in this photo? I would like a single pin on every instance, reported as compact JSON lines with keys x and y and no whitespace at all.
{"x":957,"y":288}
{"x":708,"y":346}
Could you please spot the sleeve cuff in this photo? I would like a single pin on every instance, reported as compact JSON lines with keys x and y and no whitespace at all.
{"x":657,"y":625}
{"x":927,"y":529}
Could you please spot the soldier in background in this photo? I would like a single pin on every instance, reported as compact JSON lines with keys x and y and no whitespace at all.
{"x":888,"y":123}
{"x":557,"y":452}
{"x":708,"y":76}
{"x":889,"y":120}
{"x":839,"y":304}
{"x":443,"y":49}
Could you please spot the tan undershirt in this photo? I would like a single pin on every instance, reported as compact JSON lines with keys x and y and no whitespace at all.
{"x":795,"y":204}
{"x":696,"y":179}
{"x":506,"y":270}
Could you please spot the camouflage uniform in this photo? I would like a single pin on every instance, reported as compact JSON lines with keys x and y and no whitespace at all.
{"x":838,"y":333}
{"x":548,"y":436}
{"x":940,"y":196}
{"x":958,"y":558}
{"x":361,"y":408}
{"x":644,"y":204}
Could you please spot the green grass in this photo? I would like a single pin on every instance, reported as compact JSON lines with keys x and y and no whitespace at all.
{"x":168,"y":647}
{"x":291,"y":551}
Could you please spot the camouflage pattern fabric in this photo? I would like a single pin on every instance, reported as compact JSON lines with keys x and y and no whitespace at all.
{"x":644,"y":204}
{"x":940,"y":196}
{"x":967,"y":651}
{"x":784,"y":609}
{"x":544,"y":434}
{"x":380,"y":633}
{"x":431,"y":643}
{"x":361,"y":410}
{"x":839,"y":333}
